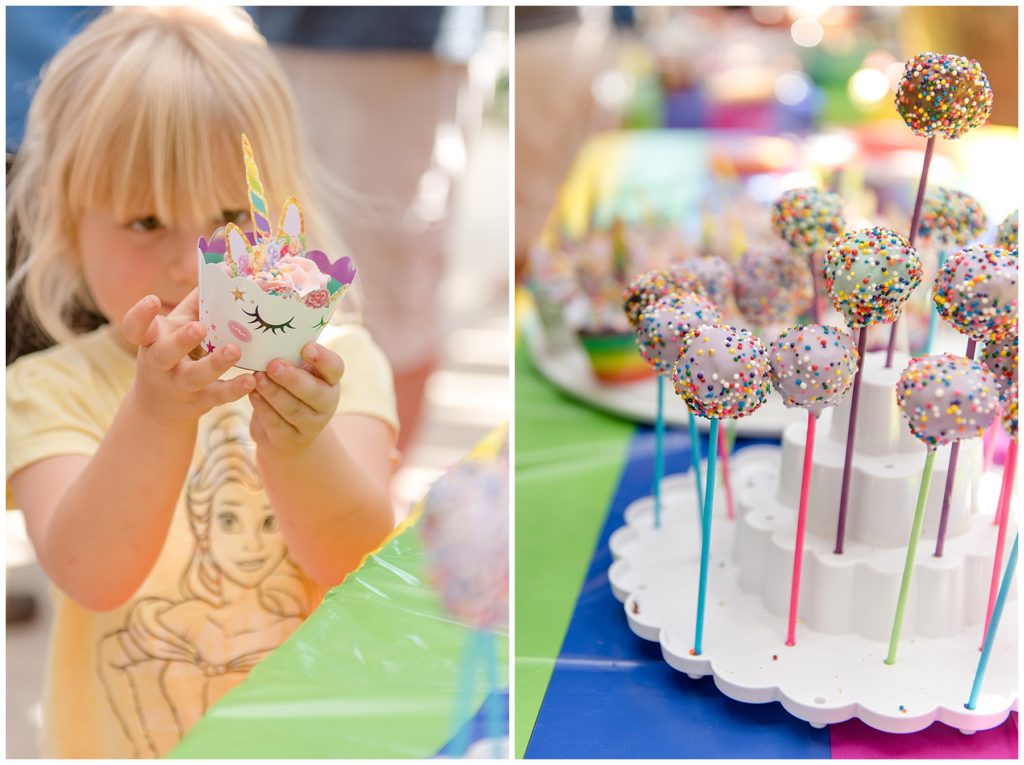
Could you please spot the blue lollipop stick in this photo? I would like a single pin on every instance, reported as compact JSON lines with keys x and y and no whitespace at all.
{"x":705,"y":543}
{"x":933,"y":316}
{"x":488,"y":654}
{"x":464,"y":695}
{"x":695,"y":459}
{"x":990,"y":636}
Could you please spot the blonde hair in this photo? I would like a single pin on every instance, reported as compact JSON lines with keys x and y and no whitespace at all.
{"x":146,"y":107}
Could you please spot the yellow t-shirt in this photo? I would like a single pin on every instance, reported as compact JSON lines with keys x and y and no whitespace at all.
{"x":223,"y":592}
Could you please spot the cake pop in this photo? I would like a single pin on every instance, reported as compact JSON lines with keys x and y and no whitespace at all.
{"x":660,"y":332}
{"x":722,"y":371}
{"x":666,"y":322}
{"x":465,"y":527}
{"x":942,"y":94}
{"x":812,"y":367}
{"x":951,"y":218}
{"x":651,"y":285}
{"x":772,"y":287}
{"x":976,"y":292}
{"x":1007,"y":234}
{"x":946,"y":398}
{"x":870,"y":274}
{"x":809,"y":219}
{"x":715,"y":274}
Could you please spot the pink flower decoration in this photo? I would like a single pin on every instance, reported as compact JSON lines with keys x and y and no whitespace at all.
{"x":318,"y":298}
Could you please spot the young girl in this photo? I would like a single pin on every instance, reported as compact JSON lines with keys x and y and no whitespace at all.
{"x":190,"y":514}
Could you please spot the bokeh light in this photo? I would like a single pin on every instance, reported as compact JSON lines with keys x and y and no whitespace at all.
{"x":807,"y":32}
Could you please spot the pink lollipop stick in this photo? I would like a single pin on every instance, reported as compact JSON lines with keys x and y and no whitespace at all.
{"x":1003,"y":516}
{"x":947,"y":495}
{"x":723,"y":455}
{"x":801,"y":522}
{"x":914,"y":220}
{"x":989,"y":448}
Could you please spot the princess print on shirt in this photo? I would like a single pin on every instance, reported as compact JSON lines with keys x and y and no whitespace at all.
{"x":241,"y":597}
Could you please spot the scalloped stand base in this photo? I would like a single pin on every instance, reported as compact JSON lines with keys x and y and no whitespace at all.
{"x":824,"y":678}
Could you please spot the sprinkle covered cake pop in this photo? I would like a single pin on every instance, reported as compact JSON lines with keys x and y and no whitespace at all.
{"x":947,"y":398}
{"x":715,"y":274}
{"x":943,"y":94}
{"x":772,"y":287}
{"x":647,"y":287}
{"x":870,"y":274}
{"x":976,"y":292}
{"x":812,"y":367}
{"x":465,"y":528}
{"x":666,"y":322}
{"x":809,"y":219}
{"x":722,"y":371}
{"x":1007,"y":235}
{"x":1001,"y":359}
{"x":950,"y":217}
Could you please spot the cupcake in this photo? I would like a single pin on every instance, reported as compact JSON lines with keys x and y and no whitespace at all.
{"x":265,"y":291}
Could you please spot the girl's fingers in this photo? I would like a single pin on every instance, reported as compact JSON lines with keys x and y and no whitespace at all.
{"x":302,"y":384}
{"x":275,"y":426}
{"x":188,"y":308}
{"x":327,"y":364}
{"x":167,"y":352}
{"x":195,"y":375}
{"x":292,"y":409}
{"x":139,"y":325}
{"x":226,"y":391}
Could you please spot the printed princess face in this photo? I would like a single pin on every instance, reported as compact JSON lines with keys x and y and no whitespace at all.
{"x":244,"y":539}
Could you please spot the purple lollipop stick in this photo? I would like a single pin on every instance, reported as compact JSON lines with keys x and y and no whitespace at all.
{"x":851,"y":433}
{"x":914,"y":220}
{"x":815,"y":306}
{"x":954,"y":454}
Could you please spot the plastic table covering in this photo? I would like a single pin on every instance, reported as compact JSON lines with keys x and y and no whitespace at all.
{"x":371,"y":674}
{"x":586,"y":686}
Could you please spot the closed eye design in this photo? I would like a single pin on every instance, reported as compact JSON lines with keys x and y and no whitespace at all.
{"x":259,"y":323}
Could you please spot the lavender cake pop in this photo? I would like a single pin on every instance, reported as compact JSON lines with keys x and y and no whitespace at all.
{"x":950,"y":217}
{"x":870,"y":274}
{"x":665,"y":322}
{"x":1007,"y":234}
{"x":943,"y":94}
{"x":465,"y":528}
{"x":647,"y":287}
{"x":715,"y":274}
{"x":947,"y":398}
{"x":812,"y":367}
{"x":809,"y":219}
{"x":722,"y":372}
{"x":1001,"y":359}
{"x":772,"y":287}
{"x":976,"y":292}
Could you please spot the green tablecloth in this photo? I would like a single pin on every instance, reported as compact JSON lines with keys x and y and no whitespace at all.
{"x":568,"y":459}
{"x":372,"y":673}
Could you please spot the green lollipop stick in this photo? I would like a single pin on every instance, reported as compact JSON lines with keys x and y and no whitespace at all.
{"x":908,"y":566}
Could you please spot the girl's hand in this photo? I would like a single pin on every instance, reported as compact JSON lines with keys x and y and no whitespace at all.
{"x":170,"y":386}
{"x":292,"y":405}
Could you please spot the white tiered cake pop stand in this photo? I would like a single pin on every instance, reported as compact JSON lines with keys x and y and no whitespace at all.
{"x":836,"y":670}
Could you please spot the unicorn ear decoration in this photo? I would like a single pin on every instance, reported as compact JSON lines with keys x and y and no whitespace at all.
{"x":263,"y":290}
